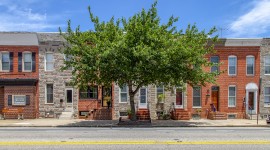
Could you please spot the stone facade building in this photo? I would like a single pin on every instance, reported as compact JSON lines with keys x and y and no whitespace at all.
{"x":19,"y":74}
{"x":265,"y":78}
{"x":56,"y":95}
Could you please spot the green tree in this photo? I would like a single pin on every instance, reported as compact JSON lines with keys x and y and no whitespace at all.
{"x":137,"y":52}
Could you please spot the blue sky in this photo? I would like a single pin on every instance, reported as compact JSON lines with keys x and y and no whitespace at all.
{"x":233,"y":18}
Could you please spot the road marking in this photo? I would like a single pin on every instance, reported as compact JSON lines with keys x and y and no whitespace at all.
{"x":14,"y":143}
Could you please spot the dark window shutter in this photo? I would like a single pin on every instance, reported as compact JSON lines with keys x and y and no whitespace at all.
{"x":20,"y":61}
{"x":9,"y":99}
{"x":27,"y":99}
{"x":33,"y":62}
{"x":11,"y":61}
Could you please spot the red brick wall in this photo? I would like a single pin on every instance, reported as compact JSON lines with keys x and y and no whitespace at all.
{"x":30,"y":111}
{"x":1,"y":99}
{"x":224,"y":80}
{"x":91,"y":104}
{"x":15,"y":73}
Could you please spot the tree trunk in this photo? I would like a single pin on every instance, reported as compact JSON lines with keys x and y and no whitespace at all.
{"x":132,"y":107}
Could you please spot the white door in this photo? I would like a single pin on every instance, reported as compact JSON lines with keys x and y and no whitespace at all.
{"x":69,"y":97}
{"x":143,"y":98}
{"x":179,"y":98}
{"x":251,"y":102}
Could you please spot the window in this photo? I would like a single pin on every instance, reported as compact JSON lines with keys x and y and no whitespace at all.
{"x":27,"y":61}
{"x":19,"y":100}
{"x":250,"y":65}
{"x":160,"y":93}
{"x":67,"y":59}
{"x":232,"y":65}
{"x":49,"y":62}
{"x":215,"y":61}
{"x":267,"y":95}
{"x":232,"y":96}
{"x":196,"y":96}
{"x":91,"y":92}
{"x":5,"y":61}
{"x":123,"y":94}
{"x":49,"y":93}
{"x":267,"y":64}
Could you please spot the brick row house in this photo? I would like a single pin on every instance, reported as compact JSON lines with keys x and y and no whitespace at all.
{"x":31,"y":78}
{"x":235,"y":94}
{"x":19,"y":73}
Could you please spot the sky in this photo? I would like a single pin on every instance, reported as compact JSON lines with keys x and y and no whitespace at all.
{"x":232,"y":18}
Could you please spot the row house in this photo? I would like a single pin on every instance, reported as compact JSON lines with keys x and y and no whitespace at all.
{"x":19,"y":73}
{"x":265,"y":78}
{"x":57,"y":96}
{"x":235,"y":94}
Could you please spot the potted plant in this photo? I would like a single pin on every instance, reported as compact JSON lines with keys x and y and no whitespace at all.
{"x":129,"y":113}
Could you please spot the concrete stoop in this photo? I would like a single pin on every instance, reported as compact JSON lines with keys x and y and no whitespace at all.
{"x":66,"y":115}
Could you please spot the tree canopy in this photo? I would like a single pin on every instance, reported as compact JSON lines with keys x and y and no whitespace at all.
{"x":139,"y":51}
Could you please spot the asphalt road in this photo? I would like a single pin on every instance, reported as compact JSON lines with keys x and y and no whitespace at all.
{"x":135,"y":138}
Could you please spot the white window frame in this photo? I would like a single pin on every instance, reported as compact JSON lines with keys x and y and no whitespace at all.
{"x":46,"y":102}
{"x":4,"y":52}
{"x":183,"y":100}
{"x":215,"y":64}
{"x":200,"y":97}
{"x":146,"y":95}
{"x":45,"y":61}
{"x":13,"y":98}
{"x":264,"y":64}
{"x":232,"y":56}
{"x":266,"y":104}
{"x":120,"y":91}
{"x":250,"y":56}
{"x":162,"y":93}
{"x":65,"y":58}
{"x":23,"y":61}
{"x":231,"y":96}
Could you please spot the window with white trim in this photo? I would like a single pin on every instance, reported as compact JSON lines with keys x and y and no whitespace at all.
{"x":250,"y":65}
{"x":67,"y":59}
{"x":267,"y":64}
{"x":27,"y":61}
{"x":267,"y":95}
{"x":215,"y":61}
{"x":49,"y":93}
{"x":232,"y":65}
{"x":5,"y":61}
{"x":196,"y":96}
{"x":123,"y":94}
{"x":232,"y":96}
{"x":49,"y":62}
{"x":160,"y":93}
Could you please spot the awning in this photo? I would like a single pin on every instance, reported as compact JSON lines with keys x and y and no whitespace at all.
{"x":16,"y":82}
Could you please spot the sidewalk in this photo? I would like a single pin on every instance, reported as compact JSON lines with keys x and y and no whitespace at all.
{"x":114,"y":123}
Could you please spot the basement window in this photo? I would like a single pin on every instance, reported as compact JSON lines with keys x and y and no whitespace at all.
{"x":84,"y":113}
{"x":231,"y":116}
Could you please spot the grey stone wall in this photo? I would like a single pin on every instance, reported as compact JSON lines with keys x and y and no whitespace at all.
{"x":153,"y":104}
{"x":265,"y":50}
{"x":53,"y":42}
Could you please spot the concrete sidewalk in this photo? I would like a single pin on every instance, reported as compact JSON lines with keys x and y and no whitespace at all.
{"x":115,"y":123}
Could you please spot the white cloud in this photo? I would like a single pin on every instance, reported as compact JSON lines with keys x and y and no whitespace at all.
{"x":16,"y":16}
{"x":254,"y":23}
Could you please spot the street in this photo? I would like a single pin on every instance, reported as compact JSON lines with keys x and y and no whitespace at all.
{"x":135,"y":138}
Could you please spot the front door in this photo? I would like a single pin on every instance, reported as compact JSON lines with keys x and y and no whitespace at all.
{"x":179,"y":98}
{"x":214,"y":97}
{"x":143,"y":98}
{"x":106,"y":96}
{"x":251,"y":102}
{"x":69,"y":97}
